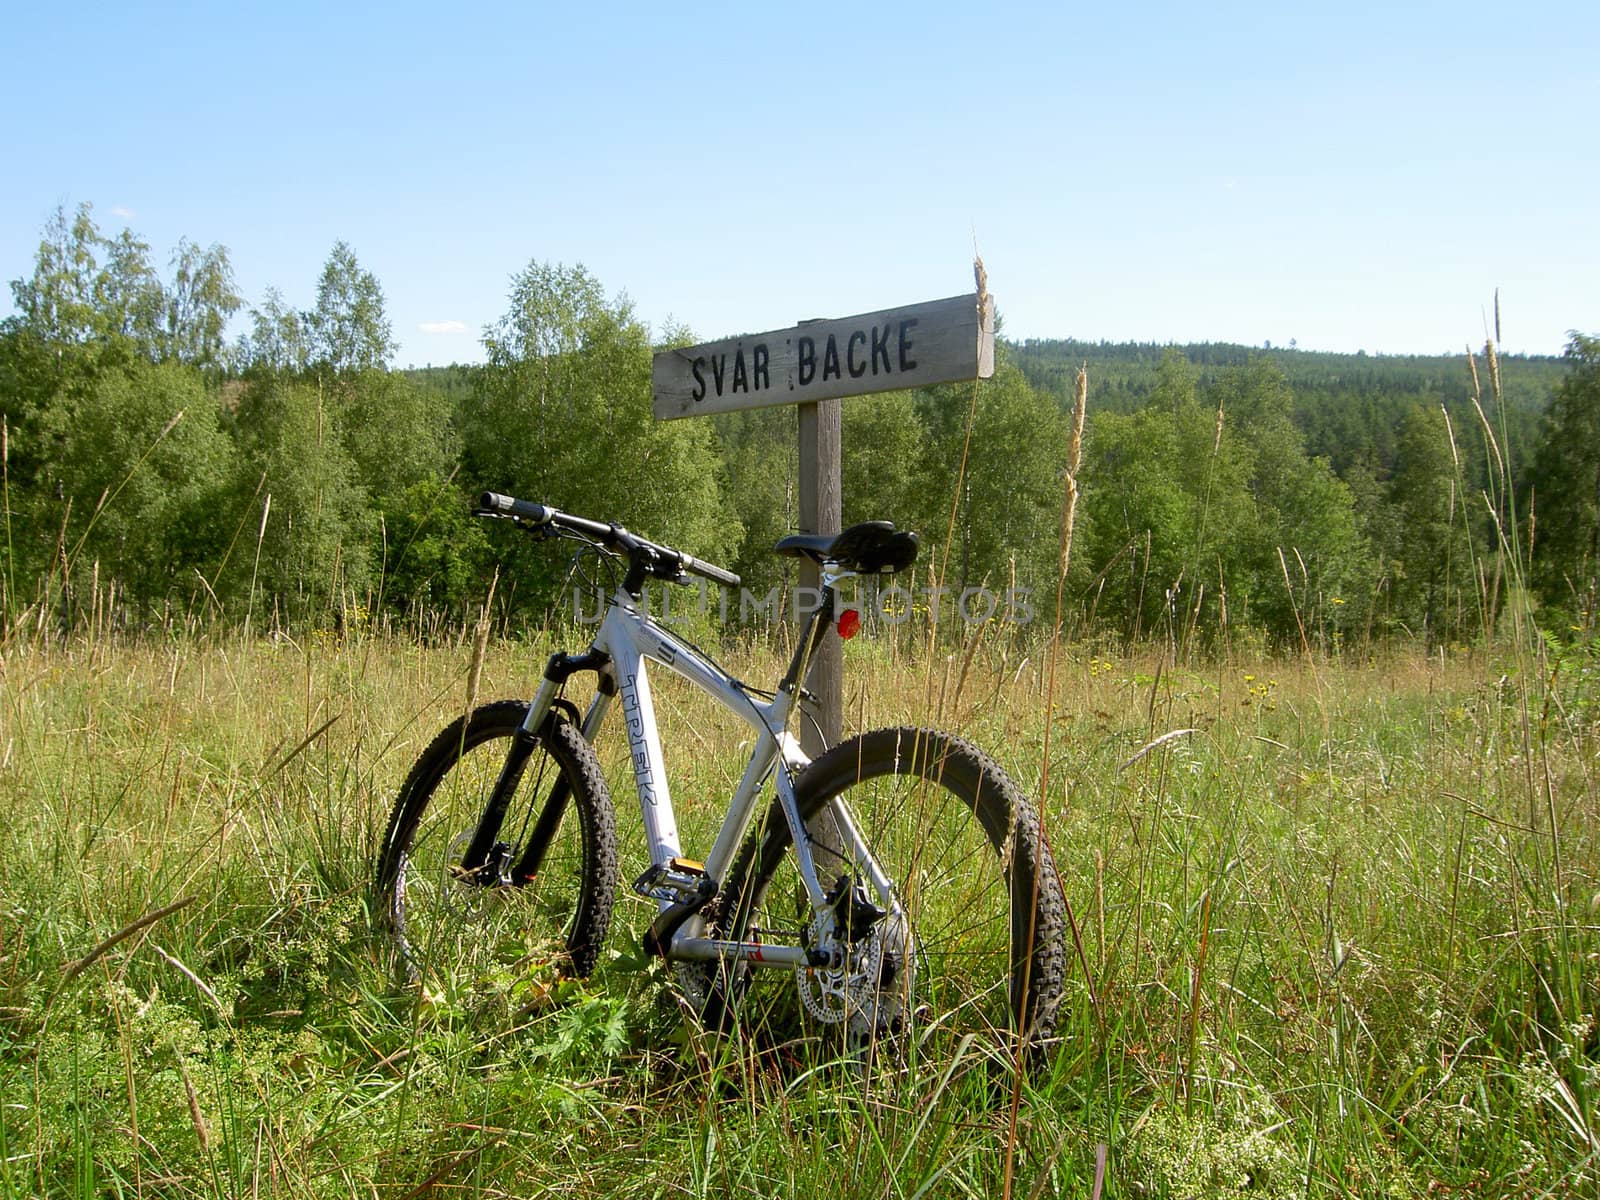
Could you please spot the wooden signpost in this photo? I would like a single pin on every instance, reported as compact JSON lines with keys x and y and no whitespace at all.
{"x":814,"y":365}
{"x":938,"y":342}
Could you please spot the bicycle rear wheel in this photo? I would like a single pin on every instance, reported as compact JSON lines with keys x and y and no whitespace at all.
{"x":478,"y":940}
{"x":975,"y":940}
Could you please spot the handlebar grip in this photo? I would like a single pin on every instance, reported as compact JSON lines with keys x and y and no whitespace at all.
{"x":494,"y":502}
{"x":716,"y":574}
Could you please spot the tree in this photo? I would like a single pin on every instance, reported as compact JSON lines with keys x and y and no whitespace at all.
{"x":882,"y":455}
{"x":1207,"y":497}
{"x":279,"y":338}
{"x":404,"y":446}
{"x":1430,"y":565}
{"x":759,"y":450}
{"x":130,"y":301}
{"x":562,"y":415}
{"x":146,"y":468}
{"x":202,"y":299}
{"x":96,"y":300}
{"x":1174,"y":388}
{"x":314,"y":547}
{"x":435,"y":555}
{"x":31,"y":375}
{"x":1305,"y":559}
{"x":58,"y":303}
{"x":99,"y":301}
{"x":1008,"y":501}
{"x":1167,"y":491}
{"x":1567,"y":487}
{"x":349,"y":329}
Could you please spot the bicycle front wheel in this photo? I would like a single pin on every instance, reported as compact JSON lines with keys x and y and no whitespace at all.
{"x":975,"y":937}
{"x":507,"y":934}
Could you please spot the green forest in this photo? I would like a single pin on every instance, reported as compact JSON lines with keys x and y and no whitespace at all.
{"x":160,"y":471}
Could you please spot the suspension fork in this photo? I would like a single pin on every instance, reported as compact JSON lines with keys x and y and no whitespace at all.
{"x":555,"y":805}
{"x":481,"y":861}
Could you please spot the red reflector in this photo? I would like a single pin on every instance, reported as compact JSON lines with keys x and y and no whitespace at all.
{"x":849,"y":623}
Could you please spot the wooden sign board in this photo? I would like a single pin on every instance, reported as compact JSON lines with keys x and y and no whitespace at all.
{"x":941,"y":341}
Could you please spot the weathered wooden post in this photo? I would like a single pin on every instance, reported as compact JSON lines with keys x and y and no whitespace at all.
{"x":815,"y":365}
{"x":821,"y":504}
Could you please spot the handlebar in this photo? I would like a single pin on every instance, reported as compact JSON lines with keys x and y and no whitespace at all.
{"x":644,"y":557}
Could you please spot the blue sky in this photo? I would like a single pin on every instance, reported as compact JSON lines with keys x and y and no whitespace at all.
{"x":1351,"y":176}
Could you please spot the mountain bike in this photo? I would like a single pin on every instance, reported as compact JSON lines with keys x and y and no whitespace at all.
{"x":900,"y":878}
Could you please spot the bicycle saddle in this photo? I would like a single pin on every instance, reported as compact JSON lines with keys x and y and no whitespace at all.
{"x":867,"y":548}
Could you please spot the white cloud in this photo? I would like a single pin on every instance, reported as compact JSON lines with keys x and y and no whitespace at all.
{"x":127,"y":214}
{"x":443,"y":327}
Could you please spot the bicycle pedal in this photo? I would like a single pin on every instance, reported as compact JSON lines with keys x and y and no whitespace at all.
{"x":677,"y":881}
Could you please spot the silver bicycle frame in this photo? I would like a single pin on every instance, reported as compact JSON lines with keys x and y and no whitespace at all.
{"x":630,"y":638}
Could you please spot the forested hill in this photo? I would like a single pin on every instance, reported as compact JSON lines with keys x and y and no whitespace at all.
{"x":1349,"y":406}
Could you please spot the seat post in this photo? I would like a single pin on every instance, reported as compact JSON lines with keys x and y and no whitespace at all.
{"x":803,"y":664}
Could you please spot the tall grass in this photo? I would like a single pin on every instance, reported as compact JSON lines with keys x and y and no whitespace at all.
{"x":1334,"y":926}
{"x":1338,"y":918}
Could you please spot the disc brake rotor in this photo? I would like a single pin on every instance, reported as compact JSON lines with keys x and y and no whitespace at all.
{"x":871,"y":991}
{"x":464,"y":900}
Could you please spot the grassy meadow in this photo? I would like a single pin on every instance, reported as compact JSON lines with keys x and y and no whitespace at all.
{"x":1336,"y":934}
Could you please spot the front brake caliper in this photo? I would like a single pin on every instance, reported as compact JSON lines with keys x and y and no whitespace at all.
{"x":854,"y":912}
{"x":492,"y":872}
